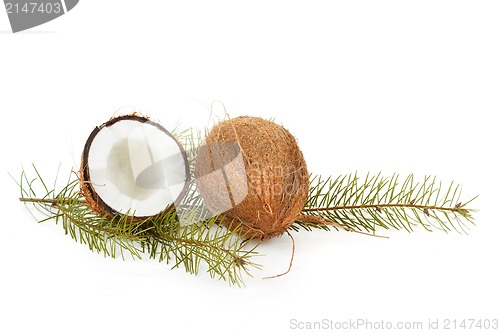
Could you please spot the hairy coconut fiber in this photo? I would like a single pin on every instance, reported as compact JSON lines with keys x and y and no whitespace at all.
{"x":275,"y":178}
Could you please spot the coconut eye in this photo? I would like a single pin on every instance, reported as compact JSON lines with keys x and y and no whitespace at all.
{"x":134,"y":166}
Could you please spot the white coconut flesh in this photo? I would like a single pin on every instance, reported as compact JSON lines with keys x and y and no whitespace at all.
{"x":136,"y":168}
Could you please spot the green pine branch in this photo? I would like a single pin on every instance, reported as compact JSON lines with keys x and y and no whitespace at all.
{"x":373,"y":202}
{"x":363,"y":205}
{"x":225,"y":255}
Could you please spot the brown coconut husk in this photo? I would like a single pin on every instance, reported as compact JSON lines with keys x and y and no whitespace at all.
{"x":276,"y":176}
{"x":87,"y":187}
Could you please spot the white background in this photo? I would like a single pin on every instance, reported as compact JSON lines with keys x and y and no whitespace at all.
{"x":391,"y":86}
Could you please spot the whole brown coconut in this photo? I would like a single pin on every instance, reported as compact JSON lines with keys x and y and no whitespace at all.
{"x":275,"y":180}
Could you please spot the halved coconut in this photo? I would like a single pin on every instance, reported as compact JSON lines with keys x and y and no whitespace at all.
{"x":133,"y":166}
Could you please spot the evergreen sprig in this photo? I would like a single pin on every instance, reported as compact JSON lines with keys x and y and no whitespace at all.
{"x":348,"y":202}
{"x":373,"y":202}
{"x":226,"y":255}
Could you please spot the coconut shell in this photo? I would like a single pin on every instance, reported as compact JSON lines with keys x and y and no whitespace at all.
{"x":87,"y":187}
{"x":276,"y":180}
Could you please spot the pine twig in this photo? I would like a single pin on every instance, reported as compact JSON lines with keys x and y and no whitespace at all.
{"x":162,"y":237}
{"x":373,"y":202}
